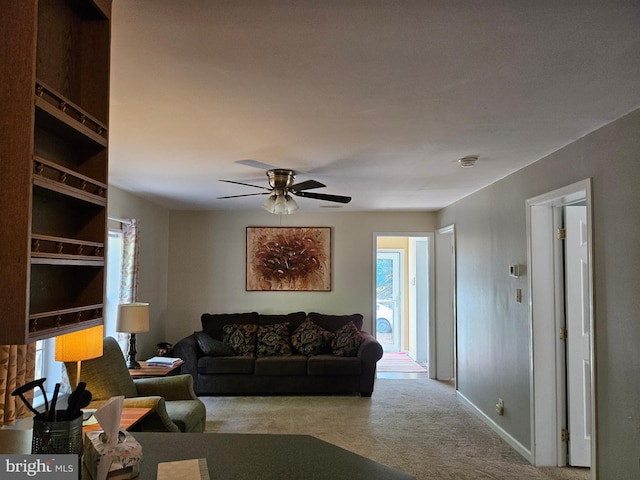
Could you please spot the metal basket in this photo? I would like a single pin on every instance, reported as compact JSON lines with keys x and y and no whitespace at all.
{"x":57,"y":437}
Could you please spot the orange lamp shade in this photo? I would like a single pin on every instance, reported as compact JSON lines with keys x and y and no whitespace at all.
{"x":81,"y":345}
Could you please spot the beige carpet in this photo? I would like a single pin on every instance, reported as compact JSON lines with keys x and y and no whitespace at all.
{"x":415,"y":425}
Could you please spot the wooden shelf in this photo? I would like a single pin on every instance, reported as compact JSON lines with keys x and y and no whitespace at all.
{"x":58,"y":287}
{"x":61,"y":116}
{"x":62,"y":180}
{"x":49,"y":250}
{"x":58,"y":322}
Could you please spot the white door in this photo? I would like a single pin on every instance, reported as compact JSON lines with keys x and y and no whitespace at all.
{"x":444,"y":318}
{"x":579,"y":336}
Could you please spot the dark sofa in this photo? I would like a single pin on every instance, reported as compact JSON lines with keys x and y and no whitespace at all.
{"x":231,"y":365}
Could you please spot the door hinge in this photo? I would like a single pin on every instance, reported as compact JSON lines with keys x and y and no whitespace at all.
{"x":563,"y":333}
{"x":561,"y":234}
{"x":564,"y":435}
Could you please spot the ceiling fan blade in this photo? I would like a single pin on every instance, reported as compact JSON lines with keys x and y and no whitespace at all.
{"x":245,"y":184}
{"x":245,"y":195}
{"x":255,"y":164}
{"x":306,"y":185}
{"x":324,"y":196}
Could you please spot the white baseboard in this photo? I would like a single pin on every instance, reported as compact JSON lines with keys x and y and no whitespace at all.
{"x":515,"y":444}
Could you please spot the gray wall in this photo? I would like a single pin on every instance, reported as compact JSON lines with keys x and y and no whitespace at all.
{"x":493,"y":330}
{"x":154,"y":258}
{"x":207,"y":264}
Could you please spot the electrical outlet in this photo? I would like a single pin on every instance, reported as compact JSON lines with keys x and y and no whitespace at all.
{"x":500,"y":407}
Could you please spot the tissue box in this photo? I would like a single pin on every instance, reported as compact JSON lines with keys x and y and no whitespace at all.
{"x":120,"y":460}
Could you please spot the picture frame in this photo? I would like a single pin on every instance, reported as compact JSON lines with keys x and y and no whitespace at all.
{"x":288,"y":259}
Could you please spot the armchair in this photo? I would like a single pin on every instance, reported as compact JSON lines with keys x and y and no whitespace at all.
{"x":176,"y":408}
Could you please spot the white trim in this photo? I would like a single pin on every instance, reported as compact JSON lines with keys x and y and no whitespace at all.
{"x":546,"y":361}
{"x":515,"y":444}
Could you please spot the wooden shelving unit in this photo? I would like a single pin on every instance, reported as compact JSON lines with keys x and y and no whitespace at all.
{"x":53,"y":168}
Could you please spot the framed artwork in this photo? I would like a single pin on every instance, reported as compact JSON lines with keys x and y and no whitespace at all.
{"x":289,"y":259}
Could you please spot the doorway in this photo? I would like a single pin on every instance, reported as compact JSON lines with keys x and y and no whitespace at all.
{"x":403,"y":291}
{"x":562,"y":325}
{"x":390,"y":298}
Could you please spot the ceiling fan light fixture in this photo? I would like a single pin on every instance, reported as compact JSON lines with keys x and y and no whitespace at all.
{"x":280,"y":203}
{"x":269,"y":205}
{"x":290,"y":205}
{"x":468,"y":161}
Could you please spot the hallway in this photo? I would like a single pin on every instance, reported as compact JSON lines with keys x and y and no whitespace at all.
{"x":399,"y":362}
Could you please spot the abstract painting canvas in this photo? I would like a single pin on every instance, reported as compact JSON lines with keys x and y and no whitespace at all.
{"x":289,"y":258}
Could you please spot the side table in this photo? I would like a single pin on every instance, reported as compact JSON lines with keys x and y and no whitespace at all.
{"x":130,"y":417}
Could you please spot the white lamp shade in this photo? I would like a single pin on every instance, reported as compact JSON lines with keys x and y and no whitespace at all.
{"x":270,"y":203}
{"x":78,"y":346}
{"x":133,"y":318}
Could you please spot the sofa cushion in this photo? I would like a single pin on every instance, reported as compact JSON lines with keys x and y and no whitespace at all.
{"x":311,"y":339}
{"x":334,"y":322}
{"x":346,"y":341}
{"x":278,"y":366}
{"x":274,"y":340}
{"x":212,"y":347}
{"x":212,"y":323}
{"x":293,"y":319}
{"x":332,"y":365}
{"x":242,"y":338}
{"x":231,"y":365}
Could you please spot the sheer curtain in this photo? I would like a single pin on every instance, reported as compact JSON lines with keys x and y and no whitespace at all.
{"x":17,"y":367}
{"x":130,"y":260}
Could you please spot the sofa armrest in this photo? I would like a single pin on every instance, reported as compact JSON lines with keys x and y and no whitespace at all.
{"x":176,"y":387}
{"x":188,"y":350}
{"x":370,"y":350}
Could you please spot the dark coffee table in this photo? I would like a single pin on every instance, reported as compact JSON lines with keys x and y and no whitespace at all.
{"x":256,"y":456}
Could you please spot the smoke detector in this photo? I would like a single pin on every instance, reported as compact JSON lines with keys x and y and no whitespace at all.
{"x":468,"y":161}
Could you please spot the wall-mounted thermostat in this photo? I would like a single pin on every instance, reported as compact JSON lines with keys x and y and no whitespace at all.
{"x":514,"y":270}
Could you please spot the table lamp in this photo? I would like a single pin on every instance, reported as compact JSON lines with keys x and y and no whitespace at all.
{"x":77,"y":346}
{"x":133,"y":318}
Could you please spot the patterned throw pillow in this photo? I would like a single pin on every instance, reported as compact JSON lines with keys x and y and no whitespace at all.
{"x":274,"y":340}
{"x":242,"y":338}
{"x":346,"y":341}
{"x":310,"y":339}
{"x":212,"y":347}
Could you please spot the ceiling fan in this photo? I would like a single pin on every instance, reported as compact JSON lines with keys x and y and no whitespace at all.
{"x":281,"y":185}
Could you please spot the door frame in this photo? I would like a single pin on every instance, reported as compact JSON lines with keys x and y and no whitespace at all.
{"x":547,"y":351}
{"x":430,"y":273}
{"x":445,"y":290}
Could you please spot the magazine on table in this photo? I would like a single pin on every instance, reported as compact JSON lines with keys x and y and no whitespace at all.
{"x":163,"y":361}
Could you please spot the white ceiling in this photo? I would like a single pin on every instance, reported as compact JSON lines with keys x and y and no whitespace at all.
{"x":377,"y":99}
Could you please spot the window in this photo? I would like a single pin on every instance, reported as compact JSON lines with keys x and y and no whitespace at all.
{"x":46,"y":367}
{"x":114,"y":269}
